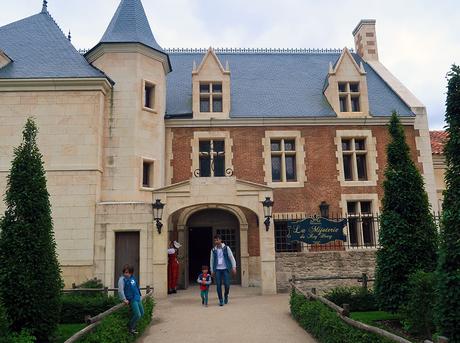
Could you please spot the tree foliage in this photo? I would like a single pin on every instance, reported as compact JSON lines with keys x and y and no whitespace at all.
{"x":29,"y":271}
{"x":448,"y":307}
{"x":408,"y":236}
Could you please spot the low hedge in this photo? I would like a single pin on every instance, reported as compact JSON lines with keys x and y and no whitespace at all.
{"x":76,"y":306}
{"x":325,"y":324}
{"x":114,"y":328}
{"x":358,"y":298}
{"x":418,"y":312}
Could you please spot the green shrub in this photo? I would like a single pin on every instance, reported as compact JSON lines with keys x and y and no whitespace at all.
{"x":448,"y":272}
{"x":4,"y":323}
{"x":75,"y":307}
{"x":358,"y":298}
{"x":407,"y":235}
{"x":23,"y":337}
{"x":30,"y":275}
{"x":114,"y":328}
{"x":417,"y":314}
{"x":325,"y":325}
{"x":92,"y":283}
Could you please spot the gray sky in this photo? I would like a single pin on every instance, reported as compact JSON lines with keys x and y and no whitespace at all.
{"x":418,"y":40}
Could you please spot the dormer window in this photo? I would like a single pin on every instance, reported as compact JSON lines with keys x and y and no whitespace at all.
{"x":210,"y":96}
{"x":349,"y":96}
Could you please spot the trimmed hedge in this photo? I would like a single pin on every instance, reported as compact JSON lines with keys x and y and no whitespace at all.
{"x":418,"y":313}
{"x":358,"y":298}
{"x":75,"y":307}
{"x":325,"y":325}
{"x":114,"y":328}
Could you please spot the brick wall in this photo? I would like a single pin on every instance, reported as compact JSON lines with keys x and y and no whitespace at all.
{"x":327,"y":263}
{"x":320,"y":161}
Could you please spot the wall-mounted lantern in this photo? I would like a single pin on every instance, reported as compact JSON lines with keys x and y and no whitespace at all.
{"x":268,"y":208}
{"x":324,"y":209}
{"x":158,"y":214}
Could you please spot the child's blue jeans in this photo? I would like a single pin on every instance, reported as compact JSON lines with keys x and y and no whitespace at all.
{"x":137,"y":312}
{"x":204,"y":296}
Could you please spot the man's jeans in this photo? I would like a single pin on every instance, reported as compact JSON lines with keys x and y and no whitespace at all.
{"x":222,"y":275}
{"x":137,"y":312}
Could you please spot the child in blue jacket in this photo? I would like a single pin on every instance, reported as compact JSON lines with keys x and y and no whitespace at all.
{"x":130,"y":294}
{"x":204,"y":279}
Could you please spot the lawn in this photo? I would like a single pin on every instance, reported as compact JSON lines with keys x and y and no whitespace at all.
{"x":372,"y":316}
{"x":65,"y":331}
{"x":387,"y":321}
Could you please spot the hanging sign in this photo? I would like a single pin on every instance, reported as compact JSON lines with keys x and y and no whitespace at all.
{"x":316,"y":230}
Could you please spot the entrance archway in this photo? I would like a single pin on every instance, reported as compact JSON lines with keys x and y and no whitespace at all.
{"x":183,"y":232}
{"x":202,"y":226}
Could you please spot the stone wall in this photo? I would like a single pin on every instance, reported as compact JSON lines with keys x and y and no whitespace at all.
{"x":325,"y":263}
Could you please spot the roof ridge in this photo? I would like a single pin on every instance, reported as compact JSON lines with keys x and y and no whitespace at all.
{"x":256,"y":50}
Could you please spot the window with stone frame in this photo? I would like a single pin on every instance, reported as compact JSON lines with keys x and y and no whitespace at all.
{"x":149,"y":95}
{"x":354,"y":157}
{"x":283,"y":159}
{"x":212,"y":158}
{"x":361,"y":228}
{"x":147,"y":174}
{"x":349,"y":97}
{"x":282,"y":243}
{"x":211,"y":97}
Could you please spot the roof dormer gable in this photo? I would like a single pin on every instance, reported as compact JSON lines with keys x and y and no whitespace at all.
{"x":210,"y":64}
{"x":4,"y":59}
{"x":211,"y":87}
{"x":346,"y":65}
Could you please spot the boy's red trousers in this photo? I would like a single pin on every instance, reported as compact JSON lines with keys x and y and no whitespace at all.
{"x":173,"y":271}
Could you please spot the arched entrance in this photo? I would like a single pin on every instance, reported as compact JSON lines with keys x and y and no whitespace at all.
{"x":199,"y":223}
{"x":202,"y":226}
{"x":241,"y":198}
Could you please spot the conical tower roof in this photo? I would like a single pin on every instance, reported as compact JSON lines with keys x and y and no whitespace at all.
{"x":130,"y":25}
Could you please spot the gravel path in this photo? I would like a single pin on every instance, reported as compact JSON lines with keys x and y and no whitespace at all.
{"x":249,"y":317}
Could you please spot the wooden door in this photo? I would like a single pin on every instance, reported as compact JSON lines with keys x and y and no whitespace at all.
{"x":126,"y":252}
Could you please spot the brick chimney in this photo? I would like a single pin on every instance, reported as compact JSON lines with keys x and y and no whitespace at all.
{"x":366,"y":40}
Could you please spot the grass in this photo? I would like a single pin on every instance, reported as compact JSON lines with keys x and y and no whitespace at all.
{"x":66,"y":331}
{"x":372,"y":316}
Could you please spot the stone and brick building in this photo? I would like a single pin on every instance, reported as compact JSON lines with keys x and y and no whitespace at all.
{"x":438,"y":140}
{"x":210,"y":133}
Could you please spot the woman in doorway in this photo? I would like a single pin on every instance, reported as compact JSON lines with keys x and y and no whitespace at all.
{"x":173,"y":267}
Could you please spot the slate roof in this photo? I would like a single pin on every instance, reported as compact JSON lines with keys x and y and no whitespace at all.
{"x":438,"y":139}
{"x":275,"y":85}
{"x":130,"y":25}
{"x":40,"y":49}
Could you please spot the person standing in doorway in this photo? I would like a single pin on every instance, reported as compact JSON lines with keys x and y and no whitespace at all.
{"x":173,"y":267}
{"x":222,"y":263}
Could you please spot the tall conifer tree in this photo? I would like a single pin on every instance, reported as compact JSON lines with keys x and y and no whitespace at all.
{"x":408,"y":237}
{"x":448,"y":307}
{"x":30,"y":280}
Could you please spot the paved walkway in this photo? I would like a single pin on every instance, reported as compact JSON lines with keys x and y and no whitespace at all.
{"x":249,"y":317}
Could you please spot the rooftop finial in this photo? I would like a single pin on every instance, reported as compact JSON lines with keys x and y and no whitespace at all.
{"x":45,"y":6}
{"x":69,"y":37}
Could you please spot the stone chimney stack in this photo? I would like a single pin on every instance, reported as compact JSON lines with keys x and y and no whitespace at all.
{"x":366,"y":40}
